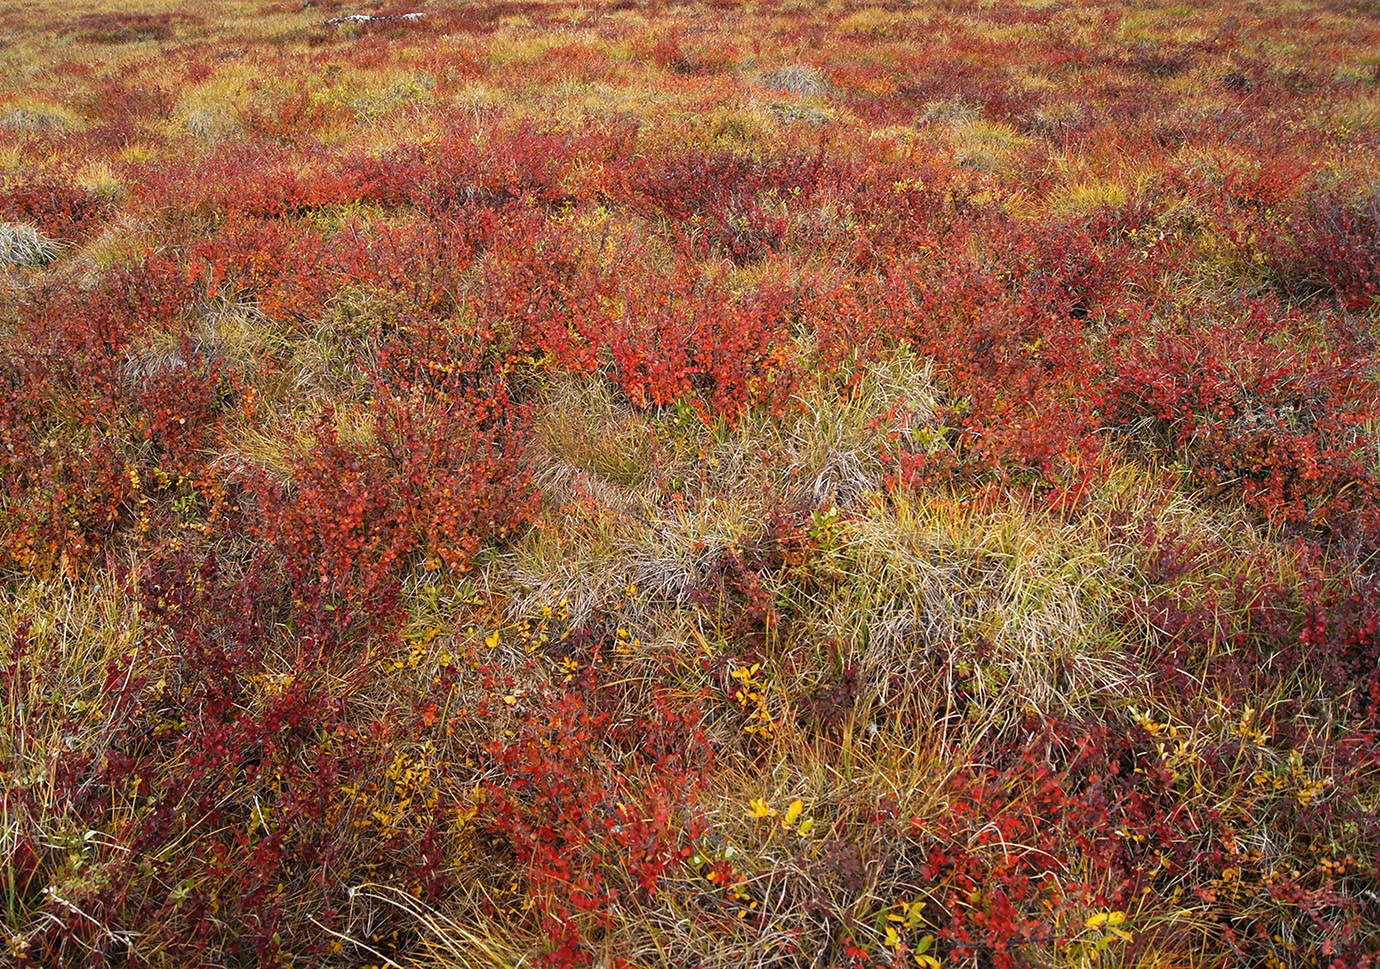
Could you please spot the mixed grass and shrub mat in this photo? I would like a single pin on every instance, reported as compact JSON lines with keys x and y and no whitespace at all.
{"x":622,"y":483}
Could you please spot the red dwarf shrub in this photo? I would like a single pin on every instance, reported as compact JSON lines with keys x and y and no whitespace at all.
{"x":56,"y":208}
{"x":1285,"y":430}
{"x":440,"y":476}
{"x":595,"y":810}
{"x":1329,"y":243}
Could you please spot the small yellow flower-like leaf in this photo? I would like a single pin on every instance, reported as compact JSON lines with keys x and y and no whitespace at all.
{"x":793,"y":813}
{"x":806,"y":826}
{"x":758,"y":808}
{"x":1096,"y":921}
{"x":492,"y":640}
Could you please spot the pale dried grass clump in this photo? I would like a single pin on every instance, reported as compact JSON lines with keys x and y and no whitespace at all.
{"x":23,"y":245}
{"x":210,"y":123}
{"x":788,"y":112}
{"x":35,"y":121}
{"x":949,"y":111}
{"x":800,"y":80}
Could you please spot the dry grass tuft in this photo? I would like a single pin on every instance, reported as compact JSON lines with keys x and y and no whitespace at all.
{"x":23,"y":245}
{"x":801,"y":80}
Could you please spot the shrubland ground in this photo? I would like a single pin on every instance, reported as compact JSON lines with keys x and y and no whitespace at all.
{"x":690,"y":484}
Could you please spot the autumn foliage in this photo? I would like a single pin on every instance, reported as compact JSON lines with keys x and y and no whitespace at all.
{"x":670,"y":484}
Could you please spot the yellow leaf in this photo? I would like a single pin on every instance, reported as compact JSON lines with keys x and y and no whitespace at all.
{"x":793,"y":813}
{"x":1096,"y":921}
{"x":492,"y":640}
{"x":759,"y":808}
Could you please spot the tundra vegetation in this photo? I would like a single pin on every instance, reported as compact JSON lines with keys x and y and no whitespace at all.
{"x":621,"y":483}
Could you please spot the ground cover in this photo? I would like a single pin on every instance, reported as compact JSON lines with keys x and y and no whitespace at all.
{"x":628,"y":483}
